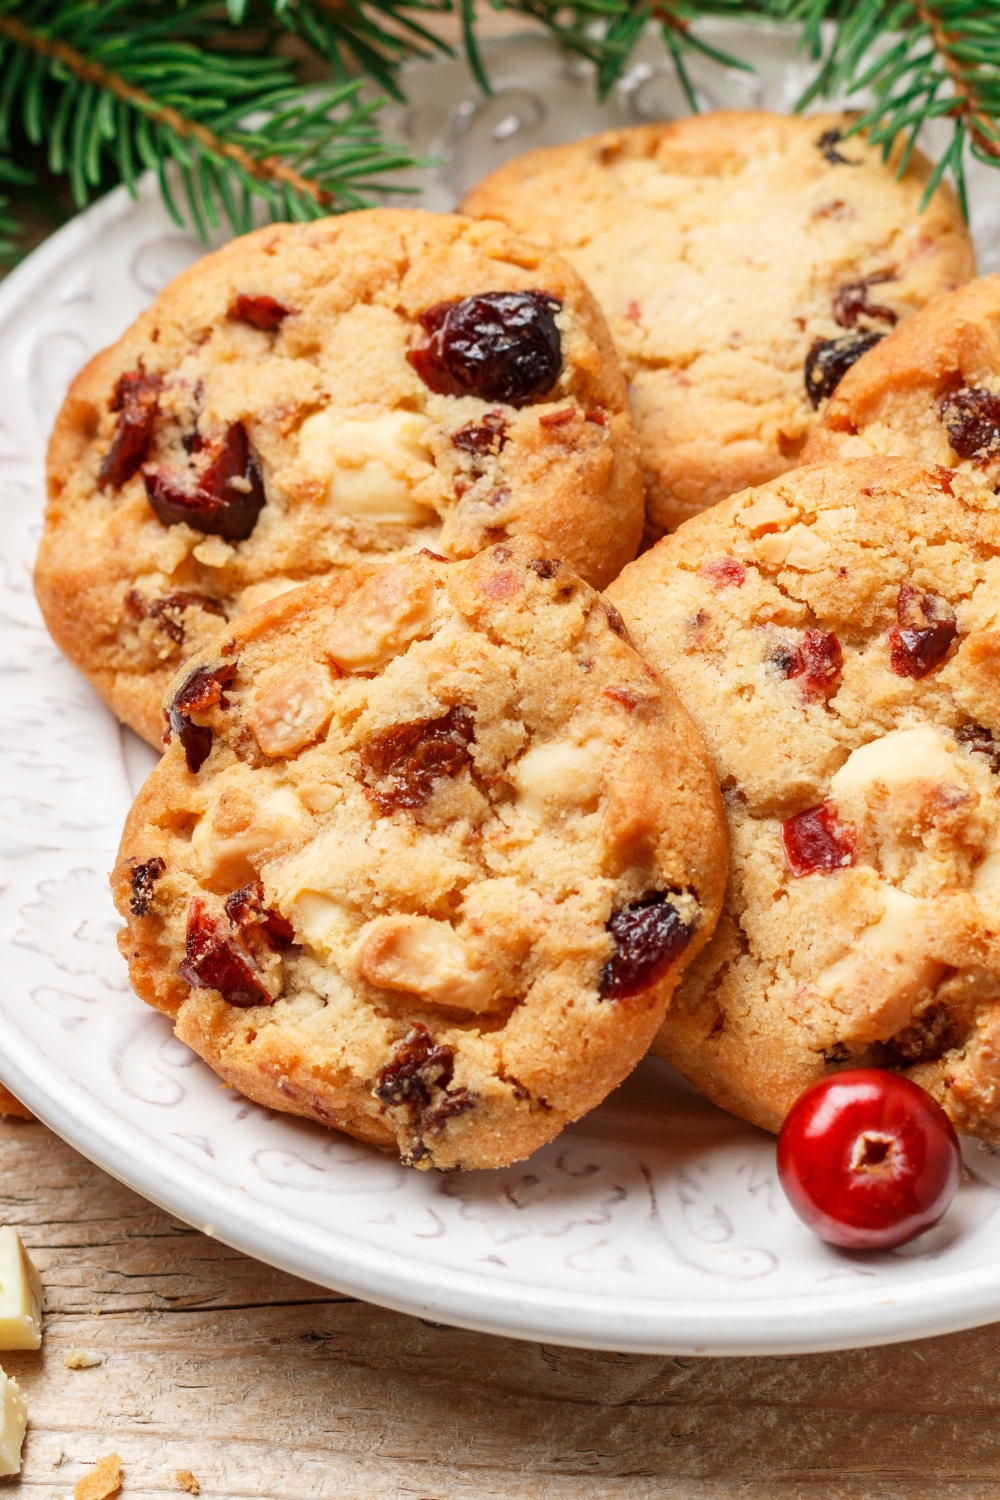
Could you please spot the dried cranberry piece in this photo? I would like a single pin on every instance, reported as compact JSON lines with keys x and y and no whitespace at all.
{"x":980,"y":741}
{"x":972,"y":417}
{"x":144,"y":876}
{"x":850,"y":302}
{"x":926,"y":629}
{"x":817,"y":660}
{"x":418,"y":1065}
{"x":201,"y":689}
{"x":814,"y":840}
{"x":135,"y":400}
{"x":724,"y":572}
{"x":217,"y":961}
{"x":614,"y":619}
{"x":827,"y":145}
{"x":263,"y":313}
{"x":499,"y":346}
{"x":487,"y":436}
{"x":650,"y":936}
{"x":245,"y":909}
{"x":168,"y":612}
{"x":829,"y":360}
{"x":224,"y":499}
{"x":413,"y":756}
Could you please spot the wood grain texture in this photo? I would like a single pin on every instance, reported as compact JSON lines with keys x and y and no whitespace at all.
{"x":264,"y":1386}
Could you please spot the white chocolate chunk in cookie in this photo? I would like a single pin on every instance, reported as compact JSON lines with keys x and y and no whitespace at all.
{"x":903,"y":755}
{"x":558,"y":774}
{"x":227,"y":847}
{"x":372,"y":465}
{"x":388,"y":612}
{"x":880,"y":980}
{"x":421,"y":956}
{"x":798,"y":547}
{"x":291,"y":711}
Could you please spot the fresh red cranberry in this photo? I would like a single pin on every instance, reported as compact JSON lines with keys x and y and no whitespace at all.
{"x":135,"y":400}
{"x":263,"y":313}
{"x":499,"y":346}
{"x":649,"y":938}
{"x":815,"y":841}
{"x":223,"y":498}
{"x":926,"y":629}
{"x":817,"y":661}
{"x":972,"y":417}
{"x":868,"y":1160}
{"x":829,"y":360}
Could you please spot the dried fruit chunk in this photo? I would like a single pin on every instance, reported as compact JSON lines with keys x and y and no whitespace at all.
{"x":815,"y":841}
{"x":415,"y":1083}
{"x":850,"y":302}
{"x":168,"y":612}
{"x":263,"y":313}
{"x":499,"y":346}
{"x":411,"y":757}
{"x":487,"y":436}
{"x":827,"y":146}
{"x":223,"y":499}
{"x":972,"y":417}
{"x":201,"y":689}
{"x":926,"y":629}
{"x":724,"y":572}
{"x":245,"y":909}
{"x":143,"y":878}
{"x":215,"y":960}
{"x":980,"y":741}
{"x":650,"y":936}
{"x":818,"y":660}
{"x":135,"y":400}
{"x":829,"y":360}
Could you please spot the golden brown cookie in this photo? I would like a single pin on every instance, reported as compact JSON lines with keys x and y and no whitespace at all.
{"x":930,"y":391}
{"x":428,"y":849}
{"x":742,"y":259}
{"x":315,"y":394}
{"x":835,"y":635}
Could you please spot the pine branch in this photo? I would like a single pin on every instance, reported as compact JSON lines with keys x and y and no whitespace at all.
{"x":115,"y":87}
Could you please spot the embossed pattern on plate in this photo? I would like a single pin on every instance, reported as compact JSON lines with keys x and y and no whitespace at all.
{"x":656,"y":1223}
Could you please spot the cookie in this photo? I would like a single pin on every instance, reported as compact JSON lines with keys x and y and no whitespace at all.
{"x":834,"y":634}
{"x":317,"y":394}
{"x":742,"y":261}
{"x":930,"y":391}
{"x":425,"y":856}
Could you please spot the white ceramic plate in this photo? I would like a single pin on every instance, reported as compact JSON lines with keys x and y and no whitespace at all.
{"x":655,"y":1224}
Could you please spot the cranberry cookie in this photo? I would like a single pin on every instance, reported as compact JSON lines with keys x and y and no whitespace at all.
{"x":313,"y":395}
{"x":743,"y":260}
{"x":930,"y":391}
{"x":425,"y":856}
{"x":836,"y":637}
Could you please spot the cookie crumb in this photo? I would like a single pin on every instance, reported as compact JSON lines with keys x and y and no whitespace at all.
{"x":104,"y":1479}
{"x":186,"y":1481}
{"x":82,"y":1359}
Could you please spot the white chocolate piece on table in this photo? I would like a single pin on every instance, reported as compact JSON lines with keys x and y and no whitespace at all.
{"x":20,"y":1295}
{"x":13,"y":1421}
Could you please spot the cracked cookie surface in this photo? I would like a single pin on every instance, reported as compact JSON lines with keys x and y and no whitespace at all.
{"x":930,"y":391}
{"x":425,"y":855}
{"x":317,"y":394}
{"x":734,"y":254}
{"x":835,"y":635}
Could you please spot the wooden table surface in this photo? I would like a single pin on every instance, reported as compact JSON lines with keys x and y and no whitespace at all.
{"x":262,"y":1385}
